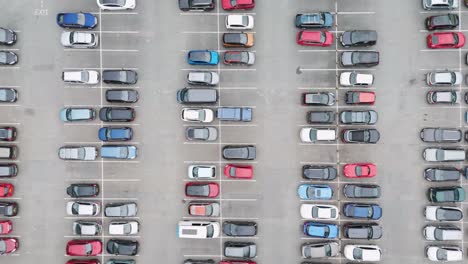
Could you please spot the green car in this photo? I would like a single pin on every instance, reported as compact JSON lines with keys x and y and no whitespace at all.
{"x":446,"y":194}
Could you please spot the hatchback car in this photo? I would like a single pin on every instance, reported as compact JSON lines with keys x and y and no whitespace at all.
{"x":83,"y":208}
{"x":443,"y":97}
{"x":128,"y":209}
{"x":122,"y":247}
{"x":314,"y":192}
{"x":8,"y":133}
{"x":202,"y":189}
{"x":320,"y":117}
{"x":123,"y":228}
{"x":362,"y":231}
{"x":84,"y":248}
{"x":441,"y":135}
{"x":363,"y":252}
{"x":112,"y":134}
{"x":318,"y":98}
{"x":314,"y":38}
{"x":311,"y":172}
{"x":6,"y":189}
{"x":123,"y":152}
{"x":116,"y":4}
{"x":238,"y":4}
{"x":319,"y":211}
{"x":445,"y":21}
{"x":122,"y":96}
{"x":320,"y":230}
{"x":445,"y":40}
{"x":209,"y":209}
{"x":117,"y":114}
{"x":120,"y":261}
{"x":202,"y":115}
{"x":444,"y":253}
{"x":314,"y":20}
{"x":359,"y":170}
{"x":6,"y":227}
{"x":8,"y":57}
{"x":440,"y":4}
{"x":76,"y":20}
{"x":360,"y":98}
{"x":86,"y":228}
{"x":8,"y":209}
{"x":79,"y":40}
{"x":239,"y":58}
{"x":81,"y":76}
{"x":202,"y":171}
{"x":79,"y":190}
{"x":312,"y":135}
{"x":78,"y":153}
{"x":443,"y":154}
{"x":450,"y":194}
{"x":320,"y":250}
{"x":362,"y":211}
{"x":368,"y":117}
{"x":359,"y":58}
{"x":8,"y":170}
{"x":366,"y":136}
{"x":7,"y":36}
{"x":203,"y":78}
{"x":8,"y":245}
{"x":120,"y":76}
{"x":72,"y":114}
{"x":356,"y":79}
{"x":442,"y":174}
{"x":443,"y":213}
{"x":442,"y":233}
{"x":358,"y":38}
{"x":239,"y":22}
{"x":444,"y":78}
{"x":201,"y":133}
{"x":196,"y":5}
{"x":236,"y":171}
{"x":239,"y":152}
{"x":369,"y":191}
{"x":244,"y":250}
{"x":203,"y":57}
{"x":239,"y":228}
{"x":8,"y":95}
{"x":239,"y":40}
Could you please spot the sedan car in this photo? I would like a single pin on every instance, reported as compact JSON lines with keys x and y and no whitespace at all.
{"x":311,"y":172}
{"x":359,"y":170}
{"x":236,"y":171}
{"x":363,"y":252}
{"x":8,"y":95}
{"x":239,"y":40}
{"x":359,"y":58}
{"x":361,"y":191}
{"x":122,"y":247}
{"x":117,"y":114}
{"x":8,"y":245}
{"x":440,"y":4}
{"x":368,"y":117}
{"x":119,"y":76}
{"x":450,"y":194}
{"x":239,"y":152}
{"x":116,"y":4}
{"x":366,"y":136}
{"x":72,"y":114}
{"x":6,"y":227}
{"x":86,"y":228}
{"x":203,"y":57}
{"x":128,"y":209}
{"x":362,"y":211}
{"x":81,"y":76}
{"x":244,"y":250}
{"x":442,"y":233}
{"x":76,"y":20}
{"x":445,"y":21}
{"x":360,"y":97}
{"x":356,"y":79}
{"x":208,"y":209}
{"x":7,"y":36}
{"x":314,"y":20}
{"x":112,"y":134}
{"x":239,"y":228}
{"x":320,"y":117}
{"x":121,"y":96}
{"x":79,"y":39}
{"x":318,"y":98}
{"x":201,"y":133}
{"x":202,"y":189}
{"x":6,"y":190}
{"x":79,"y":190}
{"x":314,"y":192}
{"x":362,"y":231}
{"x":196,"y":5}
{"x":444,"y":78}
{"x":8,"y":209}
{"x":238,"y":4}
{"x":7,"y":133}
{"x":320,"y":250}
{"x":210,"y":78}
{"x":358,"y":38}
{"x":443,"y":213}
{"x":124,"y":228}
{"x":319,"y":211}
{"x":441,"y":135}
{"x":239,"y":58}
{"x":202,"y":171}
{"x":202,"y":115}
{"x":314,"y":38}
{"x":444,"y":253}
{"x":239,"y":22}
{"x":83,"y":208}
{"x":123,"y":152}
{"x":442,"y":174}
{"x":8,"y":170}
{"x":77,"y":153}
{"x":443,"y":97}
{"x":8,"y":58}
{"x":84,"y":248}
{"x":320,"y":230}
{"x":445,"y":40}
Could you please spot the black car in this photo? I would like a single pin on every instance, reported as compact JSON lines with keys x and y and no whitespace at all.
{"x":359,"y":58}
{"x":8,"y":58}
{"x":241,"y":40}
{"x":79,"y":190}
{"x":446,"y":21}
{"x":362,"y":231}
{"x":199,"y":261}
{"x":442,"y":174}
{"x":361,"y":191}
{"x":311,"y":172}
{"x":369,"y":136}
{"x":8,"y":95}
{"x":7,"y":133}
{"x":122,"y":96}
{"x":7,"y":36}
{"x":239,"y":228}
{"x":8,"y":209}
{"x":122,"y":247}
{"x":239,"y":152}
{"x":119,"y":76}
{"x":196,"y":5}
{"x":117,"y":114}
{"x":441,"y":135}
{"x":358,"y":38}
{"x":8,"y":170}
{"x":320,"y":117}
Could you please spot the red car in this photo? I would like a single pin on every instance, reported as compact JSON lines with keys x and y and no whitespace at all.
{"x":236,"y":262}
{"x":8,"y":245}
{"x":238,"y":4}
{"x":314,"y":38}
{"x":84,"y":247}
{"x":6,"y":226}
{"x":6,"y":189}
{"x":359,"y":170}
{"x":446,"y":40}
{"x":238,"y":171}
{"x":359,"y":97}
{"x":202,"y":189}
{"x":83,"y":261}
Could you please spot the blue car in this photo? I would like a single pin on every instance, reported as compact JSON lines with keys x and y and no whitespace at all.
{"x":76,"y":20}
{"x":119,"y":151}
{"x":314,"y":192}
{"x":115,"y":133}
{"x":320,"y":230}
{"x":203,"y":57}
{"x":363,"y":211}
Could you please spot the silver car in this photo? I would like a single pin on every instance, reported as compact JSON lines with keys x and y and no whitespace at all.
{"x":444,"y":78}
{"x":201,"y":133}
{"x":79,"y":39}
{"x":86,"y":228}
{"x":359,"y":117}
{"x":203,"y":78}
{"x":440,"y":4}
{"x":441,"y":135}
{"x":121,"y":210}
{"x":320,"y":250}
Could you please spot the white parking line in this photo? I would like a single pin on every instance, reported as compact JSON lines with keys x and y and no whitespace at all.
{"x":334,"y":70}
{"x":210,"y":32}
{"x":105,"y":180}
{"x":100,"y":142}
{"x":354,"y":13}
{"x":116,"y":32}
{"x":442,"y":50}
{"x":221,"y":199}
{"x":326,"y":50}
{"x":202,"y":256}
{"x":237,"y":88}
{"x":114,"y":13}
{"x":105,"y":68}
{"x":94,"y":124}
{"x":224,"y":69}
{"x":224,"y":217}
{"x":10,"y":105}
{"x":212,"y":14}
{"x":216,"y":143}
{"x":103,"y":236}
{"x":225,"y":125}
{"x":103,"y":198}
{"x":217,"y":161}
{"x":104,"y":50}
{"x":102,"y":161}
{"x":223,"y":180}
{"x":9,"y":67}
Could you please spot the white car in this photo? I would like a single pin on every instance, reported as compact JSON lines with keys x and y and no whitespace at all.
{"x":444,"y":78}
{"x":83,"y":208}
{"x":78,"y":153}
{"x":81,"y":77}
{"x":116,"y":4}
{"x":443,"y":213}
{"x":363,"y":252}
{"x":319,"y":211}
{"x":310,"y":134}
{"x":356,"y":79}
{"x":79,"y":39}
{"x":202,"y":171}
{"x":202,"y":115}
{"x":441,"y":154}
{"x":444,"y":253}
{"x":198,"y":229}
{"x":241,"y":22}
{"x":123,"y":228}
{"x":442,"y":233}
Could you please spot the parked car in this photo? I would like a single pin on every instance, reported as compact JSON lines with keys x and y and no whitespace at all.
{"x":199,"y":261}
{"x":6,"y":227}
{"x":8,"y":57}
{"x":6,"y":190}
{"x":239,"y":228}
{"x":117,"y":114}
{"x":443,"y":154}
{"x":318,"y":98}
{"x":203,"y":57}
{"x":126,"y":152}
{"x":76,"y":20}
{"x":202,"y":189}
{"x":239,"y":40}
{"x":121,"y":96}
{"x":84,"y":248}
{"x":8,"y":245}
{"x":122,"y":247}
{"x":7,"y":36}
{"x":320,"y":117}
{"x":443,"y":213}
{"x":198,"y":229}
{"x":112,"y":134}
{"x":240,"y":22}
{"x":358,"y":38}
{"x":81,"y":76}
{"x":442,"y":174}
{"x":443,"y":97}
{"x":126,"y":209}
{"x":314,"y":192}
{"x":202,"y":115}
{"x":84,"y":261}
{"x":312,"y":135}
{"x":8,"y":209}
{"x":72,"y":114}
{"x":362,"y":231}
{"x":360,"y":97}
{"x":210,"y":78}
{"x":8,"y":133}
{"x":441,"y":135}
{"x":120,"y":76}
{"x":368,"y":117}
{"x":202,"y":171}
{"x":444,"y":253}
{"x":314,"y":38}
{"x":239,"y":58}
{"x":8,"y":95}
{"x":201,"y":133}
{"x":363,"y":252}
{"x":239,"y":152}
{"x":444,"y":78}
{"x":208,"y":209}
{"x":8,"y":170}
{"x":77,"y":153}
{"x":116,"y":4}
{"x":367,"y":136}
{"x":442,"y":233}
{"x":363,"y":211}
{"x":445,"y":40}
{"x":244,"y":250}
{"x":320,"y":230}
{"x":197,"y":96}
{"x":445,"y":21}
{"x":238,"y":4}
{"x":243,"y":114}
{"x":80,"y":190}
{"x":440,"y":4}
{"x":314,"y":20}
{"x":361,"y":191}
{"x":79,"y":40}
{"x":359,"y":58}
{"x":123,"y":228}
{"x":320,"y":250}
{"x":313,"y":172}
{"x":86,"y":228}
{"x":450,"y":194}
{"x":8,"y":152}
{"x":83,"y":208}
{"x":236,"y":171}
{"x":319,"y":211}
{"x":196,"y":5}
{"x":356,"y":79}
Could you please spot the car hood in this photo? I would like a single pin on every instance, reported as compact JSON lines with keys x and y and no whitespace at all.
{"x":347,"y":58}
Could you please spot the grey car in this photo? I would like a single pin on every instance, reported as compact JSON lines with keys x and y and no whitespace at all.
{"x":442,"y":174}
{"x":122,"y":96}
{"x":125,"y":152}
{"x":320,"y":250}
{"x":8,"y":57}
{"x":201,"y":133}
{"x":440,"y":4}
{"x":239,"y":152}
{"x":86,"y":228}
{"x":244,"y":250}
{"x":320,"y":117}
{"x":121,"y":210}
{"x":7,"y":36}
{"x":358,"y":38}
{"x":239,"y":228}
{"x":203,"y":78}
{"x":369,"y":117}
{"x":441,"y":135}
{"x":359,"y":58}
{"x":8,"y":95}
{"x":117,"y":114}
{"x":318,"y":99}
{"x":361,"y":191}
{"x":311,"y":172}
{"x":199,"y":261}
{"x":362,"y":231}
{"x":120,"y":76}
{"x":72,"y":114}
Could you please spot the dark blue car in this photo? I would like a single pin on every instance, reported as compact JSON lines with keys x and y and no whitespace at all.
{"x":115,"y":133}
{"x":76,"y":20}
{"x":320,"y":230}
{"x":363,"y":211}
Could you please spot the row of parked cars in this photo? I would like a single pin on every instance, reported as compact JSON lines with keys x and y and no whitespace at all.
{"x":320,"y":217}
{"x":442,"y":231}
{"x":203,"y":183}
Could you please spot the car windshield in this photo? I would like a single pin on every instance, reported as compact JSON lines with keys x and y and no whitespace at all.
{"x":81,"y":19}
{"x":114,"y":2}
{"x":439,"y":234}
{"x":123,"y":152}
{"x":357,"y":253}
{"x":209,"y":209}
{"x":369,"y":211}
{"x":441,"y":254}
{"x":2,"y":246}
{"x":328,"y":250}
{"x":88,"y":248}
{"x":127,"y":228}
{"x":440,"y":154}
{"x":3,"y":34}
{"x":455,"y":38}
{"x":313,"y":134}
{"x":315,"y":212}
{"x":322,"y":37}
{"x":3,"y":57}
{"x":232,"y":171}
{"x":243,"y":38}
{"x":358,"y":170}
{"x":313,"y":192}
{"x":312,"y":19}
{"x":245,"y":21}
{"x":75,"y":208}
{"x":209,"y":231}
{"x":84,"y":75}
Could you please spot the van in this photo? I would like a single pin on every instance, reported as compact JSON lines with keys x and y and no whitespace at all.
{"x":8,"y":152}
{"x":197,"y":96}
{"x":441,"y":154}
{"x":198,"y":229}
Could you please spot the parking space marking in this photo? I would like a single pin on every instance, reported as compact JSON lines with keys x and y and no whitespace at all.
{"x":211,"y":14}
{"x":328,"y":50}
{"x":97,"y":87}
{"x":210,"y":32}
{"x":103,"y":50}
{"x":217,"y":161}
{"x":9,"y":67}
{"x":238,"y":88}
{"x":102,"y":198}
{"x":103,"y":236}
{"x":216,"y":143}
{"x":106,"y":68}
{"x":344,"y":69}
{"x":105,"y":180}
{"x":222,"y":199}
{"x":100,"y":13}
{"x":225,"y":125}
{"x":116,"y":32}
{"x":223,"y":180}
{"x":221,"y":69}
{"x":94,"y":124}
{"x":100,"y":142}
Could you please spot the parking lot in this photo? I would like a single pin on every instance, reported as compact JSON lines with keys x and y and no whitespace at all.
{"x":154,"y":39}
